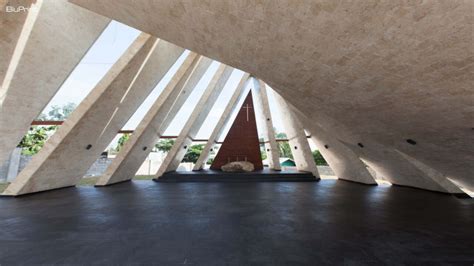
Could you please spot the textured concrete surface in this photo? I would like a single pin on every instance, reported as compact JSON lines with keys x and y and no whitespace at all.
{"x":76,"y":145}
{"x":297,"y":139}
{"x":378,"y":71}
{"x":264,"y":116}
{"x":342,"y":159}
{"x":223,"y":120}
{"x":156,"y":121}
{"x":12,"y":27}
{"x":318,"y":223}
{"x":196,"y":119}
{"x":59,"y":38}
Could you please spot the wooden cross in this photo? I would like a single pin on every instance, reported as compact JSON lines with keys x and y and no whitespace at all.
{"x":247,"y":107}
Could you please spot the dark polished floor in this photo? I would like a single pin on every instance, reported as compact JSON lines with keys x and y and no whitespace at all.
{"x":329,"y":222}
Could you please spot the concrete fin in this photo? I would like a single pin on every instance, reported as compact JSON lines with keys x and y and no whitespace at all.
{"x":223,"y":120}
{"x":155,"y":122}
{"x":297,"y":138}
{"x":265,"y":119}
{"x":194,"y":122}
{"x":69,"y":153}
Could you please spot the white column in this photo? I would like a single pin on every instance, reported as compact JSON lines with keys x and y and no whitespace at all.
{"x":195,"y":121}
{"x":69,"y":153}
{"x":34,"y":77}
{"x":156,"y":121}
{"x":265,"y":118}
{"x":223,"y":120}
{"x":297,"y":139}
{"x":342,"y":160}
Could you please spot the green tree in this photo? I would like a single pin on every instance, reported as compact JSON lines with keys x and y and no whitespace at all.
{"x":285,"y":149}
{"x":263,"y":153}
{"x":284,"y":146}
{"x":59,"y":113}
{"x":318,"y":158}
{"x":34,"y":140}
{"x":42,"y":117}
{"x":164,"y":145}
{"x":124,"y":138}
{"x":193,"y":153}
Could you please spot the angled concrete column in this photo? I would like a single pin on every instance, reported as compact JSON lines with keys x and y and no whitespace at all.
{"x":297,"y":138}
{"x":12,"y":26}
{"x":393,"y":166}
{"x":436,"y":176}
{"x":70,"y":152}
{"x":156,"y":121}
{"x":271,"y":146}
{"x":14,"y":164}
{"x":223,"y":120}
{"x":58,"y":40}
{"x":342,"y":160}
{"x":194,"y":122}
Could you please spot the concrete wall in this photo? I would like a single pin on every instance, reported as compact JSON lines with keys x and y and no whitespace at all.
{"x":98,"y":168}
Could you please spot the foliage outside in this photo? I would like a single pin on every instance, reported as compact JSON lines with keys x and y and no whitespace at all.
{"x":193,"y":153}
{"x":124,"y":138}
{"x":34,"y":140}
{"x":164,"y":145}
{"x":284,"y":146}
{"x":58,"y":113}
{"x":318,"y":158}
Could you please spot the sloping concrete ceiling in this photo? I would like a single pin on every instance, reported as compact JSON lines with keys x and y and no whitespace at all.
{"x":371,"y":72}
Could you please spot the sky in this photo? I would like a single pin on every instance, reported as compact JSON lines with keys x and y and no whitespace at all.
{"x":106,"y":51}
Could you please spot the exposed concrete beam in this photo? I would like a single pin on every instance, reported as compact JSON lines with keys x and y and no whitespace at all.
{"x":13,"y":27}
{"x":40,"y":71}
{"x":71,"y":151}
{"x":156,"y":121}
{"x":223,"y":120}
{"x":195,"y":121}
{"x":342,"y":160}
{"x":296,"y":138}
{"x":265,"y":118}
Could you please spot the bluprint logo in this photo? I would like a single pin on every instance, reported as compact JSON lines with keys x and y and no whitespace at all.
{"x":18,"y":8}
